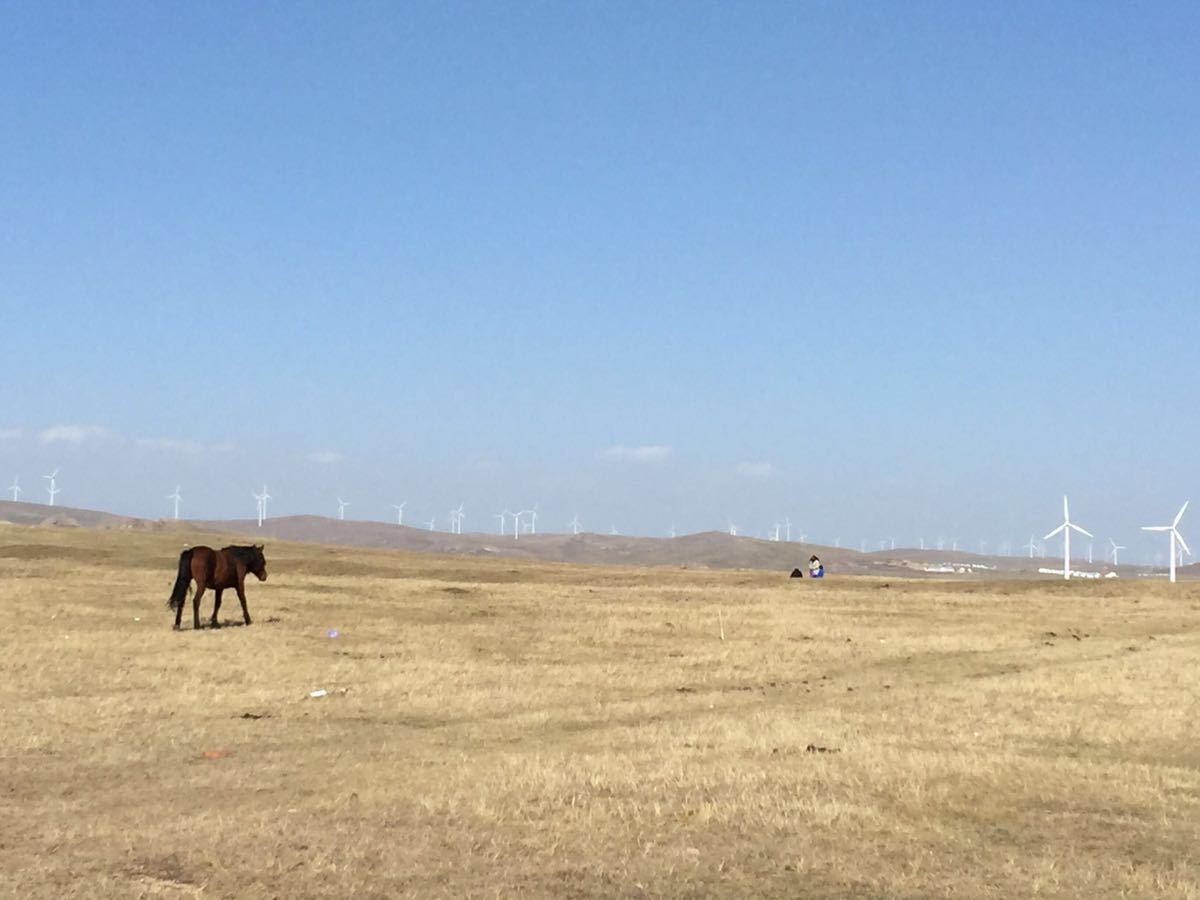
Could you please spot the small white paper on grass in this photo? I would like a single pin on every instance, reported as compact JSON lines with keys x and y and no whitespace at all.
{"x":319,"y":692}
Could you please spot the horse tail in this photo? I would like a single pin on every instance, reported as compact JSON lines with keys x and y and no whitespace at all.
{"x":183,"y":581}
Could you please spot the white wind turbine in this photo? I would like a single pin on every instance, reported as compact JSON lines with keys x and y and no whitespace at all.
{"x":672,"y":531}
{"x":1066,"y":528}
{"x":733,"y":529}
{"x":1173,"y":530}
{"x":502,"y":516}
{"x":262,"y":504}
{"x":399,"y":508}
{"x":52,"y":487}
{"x":15,"y":487}
{"x":1116,"y":548}
{"x":456,"y":520}
{"x":342,"y":504}
{"x":176,"y":497}
{"x":431,"y":523}
{"x":1031,"y":545}
{"x":787,"y":529}
{"x":575,"y":526}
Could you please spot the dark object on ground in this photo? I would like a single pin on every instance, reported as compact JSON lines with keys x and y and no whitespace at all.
{"x":813,"y":748}
{"x":796,"y":573}
{"x":216,"y":569}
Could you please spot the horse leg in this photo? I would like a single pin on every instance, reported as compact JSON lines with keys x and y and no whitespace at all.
{"x":200,"y":586}
{"x":179,"y":612}
{"x":216,"y":607}
{"x":241,"y":592}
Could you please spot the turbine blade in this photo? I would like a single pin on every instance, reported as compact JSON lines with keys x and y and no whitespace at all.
{"x":1179,"y":515}
{"x":1156,"y":527}
{"x":1066,"y":511}
{"x":1055,"y":531}
{"x":1082,"y":531}
{"x":1182,"y":542}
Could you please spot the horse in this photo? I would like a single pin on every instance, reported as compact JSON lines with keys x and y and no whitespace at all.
{"x":216,"y":569}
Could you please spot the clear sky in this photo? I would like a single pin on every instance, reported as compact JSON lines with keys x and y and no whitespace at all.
{"x":885,"y":268}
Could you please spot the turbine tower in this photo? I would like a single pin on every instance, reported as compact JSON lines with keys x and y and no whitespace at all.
{"x":262,"y":504}
{"x":1031,"y":545}
{"x":1066,"y":528}
{"x":52,"y":487}
{"x":342,"y":504}
{"x":399,"y":512}
{"x":175,"y":496}
{"x":1115,"y":549}
{"x":15,"y":487}
{"x":1173,"y":530}
{"x":502,"y":516}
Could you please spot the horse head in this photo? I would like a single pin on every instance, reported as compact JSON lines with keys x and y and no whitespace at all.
{"x":258,"y":562}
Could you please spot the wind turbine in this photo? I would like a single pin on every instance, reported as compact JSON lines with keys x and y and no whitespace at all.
{"x":1066,"y":528}
{"x":430,"y":523}
{"x":262,"y":504}
{"x":1115,"y":548}
{"x":1173,"y":530}
{"x":787,"y":529}
{"x":575,"y":524}
{"x":456,"y":520}
{"x":733,"y":529}
{"x":1031,"y":545}
{"x":502,"y":516}
{"x":15,"y":487}
{"x":342,"y":504}
{"x":175,"y":496}
{"x":672,"y":531}
{"x":52,"y":487}
{"x":399,"y":512}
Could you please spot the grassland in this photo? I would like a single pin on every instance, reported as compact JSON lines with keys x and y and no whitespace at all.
{"x":500,"y":729}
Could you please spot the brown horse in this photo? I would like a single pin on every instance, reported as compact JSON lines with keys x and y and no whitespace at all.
{"x":216,"y":569}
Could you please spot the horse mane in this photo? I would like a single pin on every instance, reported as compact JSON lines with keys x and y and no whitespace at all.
{"x":247,"y":555}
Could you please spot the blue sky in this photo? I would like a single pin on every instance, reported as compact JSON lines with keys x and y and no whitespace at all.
{"x":883,"y":268}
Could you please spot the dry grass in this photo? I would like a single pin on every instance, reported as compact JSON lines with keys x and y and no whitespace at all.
{"x":500,"y":729}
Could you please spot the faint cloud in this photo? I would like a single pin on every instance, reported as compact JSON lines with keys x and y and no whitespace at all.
{"x":621,"y":453}
{"x":74,"y":434}
{"x":177,"y":445}
{"x":755,"y":469}
{"x":325,"y":457}
{"x":11,"y":434}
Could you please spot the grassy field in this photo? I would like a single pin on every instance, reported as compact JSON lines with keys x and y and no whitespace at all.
{"x":499,"y":729}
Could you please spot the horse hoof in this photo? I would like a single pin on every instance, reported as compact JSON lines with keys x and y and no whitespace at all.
{"x":176,"y":628}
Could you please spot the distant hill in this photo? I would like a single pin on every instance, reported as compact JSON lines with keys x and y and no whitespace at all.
{"x":711,"y":549}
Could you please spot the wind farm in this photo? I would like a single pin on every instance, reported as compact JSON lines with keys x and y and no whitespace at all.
{"x":656,"y":419}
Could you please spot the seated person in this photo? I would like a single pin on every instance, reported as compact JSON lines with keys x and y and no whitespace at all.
{"x":815,"y":568}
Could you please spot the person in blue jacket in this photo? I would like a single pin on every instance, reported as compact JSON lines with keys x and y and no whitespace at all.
{"x":815,"y":568}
